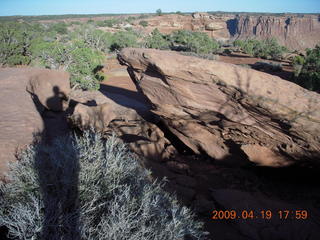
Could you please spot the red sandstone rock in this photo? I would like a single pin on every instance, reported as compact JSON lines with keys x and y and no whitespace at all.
{"x":294,"y":32}
{"x":219,"y":109}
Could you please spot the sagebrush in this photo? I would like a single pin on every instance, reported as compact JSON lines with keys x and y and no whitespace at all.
{"x":89,"y":188}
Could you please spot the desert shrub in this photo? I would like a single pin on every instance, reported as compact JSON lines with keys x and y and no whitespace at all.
{"x":88,"y":188}
{"x":297,"y":63}
{"x":111,"y":22}
{"x":60,"y":28}
{"x":157,"y":40}
{"x":90,"y":21}
{"x":74,"y":57}
{"x":189,"y":41}
{"x":309,"y":74}
{"x":159,"y":12}
{"x":15,"y":39}
{"x":76,"y":23}
{"x":268,"y":49}
{"x":130,"y":19}
{"x":101,"y":24}
{"x":123,"y":39}
{"x":142,"y":16}
{"x":143,"y":23}
{"x":94,"y":38}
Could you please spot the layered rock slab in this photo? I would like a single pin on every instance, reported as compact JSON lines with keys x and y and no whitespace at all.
{"x":222,"y":109}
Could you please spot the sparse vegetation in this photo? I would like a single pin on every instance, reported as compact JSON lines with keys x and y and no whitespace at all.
{"x":124,"y":39}
{"x":88,"y":188}
{"x":60,"y":28}
{"x":267,"y":49}
{"x":157,"y":40}
{"x":307,"y":69}
{"x":15,"y":42}
{"x":143,"y":23}
{"x":198,"y":42}
{"x":182,"y":40}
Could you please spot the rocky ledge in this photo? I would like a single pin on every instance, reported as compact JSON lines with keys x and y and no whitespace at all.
{"x":226,"y":111}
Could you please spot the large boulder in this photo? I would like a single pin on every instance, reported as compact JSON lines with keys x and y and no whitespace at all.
{"x":224,"y":110}
{"x":51,"y":87}
{"x":20,"y":118}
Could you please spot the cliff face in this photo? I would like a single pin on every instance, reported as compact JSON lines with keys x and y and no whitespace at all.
{"x":293,"y":32}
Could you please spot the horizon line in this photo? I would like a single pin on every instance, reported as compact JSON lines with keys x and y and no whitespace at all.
{"x":316,"y":13}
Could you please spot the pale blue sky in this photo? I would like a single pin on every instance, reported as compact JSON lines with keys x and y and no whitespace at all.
{"x":43,"y":7}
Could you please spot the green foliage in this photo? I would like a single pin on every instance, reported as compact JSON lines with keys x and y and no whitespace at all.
{"x":89,"y":188}
{"x":143,"y":23}
{"x":74,"y":57}
{"x":159,"y":12}
{"x":84,"y":62}
{"x":189,"y":41}
{"x":111,"y":22}
{"x":298,"y":62}
{"x":76,"y":23}
{"x":309,"y":74}
{"x":124,"y":39}
{"x":130,"y":19}
{"x":60,"y":28}
{"x":15,"y":40}
{"x":268,"y":49}
{"x":94,"y":38}
{"x":157,"y":40}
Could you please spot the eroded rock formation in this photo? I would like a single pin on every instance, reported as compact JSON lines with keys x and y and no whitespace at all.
{"x":293,"y":32}
{"x":224,"y":110}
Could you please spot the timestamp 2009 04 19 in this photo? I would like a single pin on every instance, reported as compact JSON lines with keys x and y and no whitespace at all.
{"x":262,"y":214}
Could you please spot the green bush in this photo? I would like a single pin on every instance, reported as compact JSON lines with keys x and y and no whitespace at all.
{"x":189,"y":41}
{"x":157,"y":40}
{"x":268,"y":49}
{"x":89,"y":189}
{"x":124,"y":39}
{"x":60,"y":28}
{"x":143,"y":23}
{"x":308,"y":75}
{"x":297,"y":63}
{"x":130,"y":19}
{"x":159,"y":12}
{"x":111,"y":22}
{"x":76,"y":23}
{"x":15,"y":39}
{"x":94,"y":38}
{"x":74,"y":57}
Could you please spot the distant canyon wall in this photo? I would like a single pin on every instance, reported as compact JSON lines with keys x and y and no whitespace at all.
{"x":293,"y":32}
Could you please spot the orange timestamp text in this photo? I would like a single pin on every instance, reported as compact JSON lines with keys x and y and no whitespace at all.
{"x":262,"y":214}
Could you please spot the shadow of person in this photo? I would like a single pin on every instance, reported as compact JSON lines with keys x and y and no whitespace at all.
{"x":57,"y":167}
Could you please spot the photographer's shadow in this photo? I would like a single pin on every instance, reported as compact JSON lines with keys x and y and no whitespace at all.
{"x":57,"y":167}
